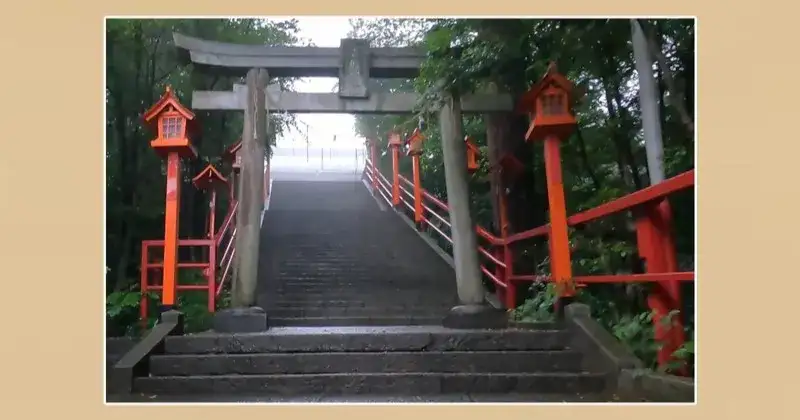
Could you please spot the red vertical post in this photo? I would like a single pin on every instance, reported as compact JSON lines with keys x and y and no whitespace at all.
{"x":394,"y":144}
{"x":417,"y":191}
{"x":656,"y":247}
{"x":508,"y":260}
{"x":560,"y":261}
{"x":212,"y":252}
{"x":171,"y":225}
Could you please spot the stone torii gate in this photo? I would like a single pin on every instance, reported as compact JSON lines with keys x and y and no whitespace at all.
{"x":354,"y":63}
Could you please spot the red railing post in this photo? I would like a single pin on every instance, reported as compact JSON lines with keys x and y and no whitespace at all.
{"x":209,"y":179}
{"x":508,"y":260}
{"x":394,"y":145}
{"x":212,"y":253}
{"x":417,"y":191}
{"x":656,"y":248}
{"x":414,"y":143}
{"x":373,"y":167}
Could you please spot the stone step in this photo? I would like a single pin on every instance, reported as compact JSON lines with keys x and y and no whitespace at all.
{"x":354,"y":321}
{"x":375,"y":383}
{"x":371,"y":339}
{"x":397,"y":362}
{"x":355,"y":311}
{"x":384,"y":304}
{"x":413,"y":296}
{"x":355,"y":290}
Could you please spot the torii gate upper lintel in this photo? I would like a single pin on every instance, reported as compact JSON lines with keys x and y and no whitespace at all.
{"x":354,"y":62}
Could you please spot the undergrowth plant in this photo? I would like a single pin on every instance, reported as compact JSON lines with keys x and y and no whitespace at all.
{"x":634,"y":329}
{"x":122,"y":307}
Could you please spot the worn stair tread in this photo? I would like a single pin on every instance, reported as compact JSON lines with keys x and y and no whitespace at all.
{"x":370,"y":339}
{"x":342,"y":362}
{"x":359,"y":320}
{"x":377,"y":383}
{"x":395,"y":399}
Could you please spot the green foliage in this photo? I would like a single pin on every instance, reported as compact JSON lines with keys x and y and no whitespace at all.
{"x":539,"y":308}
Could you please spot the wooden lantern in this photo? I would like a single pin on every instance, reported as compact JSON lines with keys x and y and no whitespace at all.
{"x":209,"y":178}
{"x":174,"y":124}
{"x":233,"y":154}
{"x":472,"y":155}
{"x":414,"y":143}
{"x":548,"y":104}
{"x":394,"y":139}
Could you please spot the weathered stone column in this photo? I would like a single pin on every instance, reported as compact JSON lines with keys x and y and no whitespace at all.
{"x":473,"y":311}
{"x":245,"y":316}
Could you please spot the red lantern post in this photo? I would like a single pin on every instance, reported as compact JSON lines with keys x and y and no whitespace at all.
{"x":173,"y":123}
{"x":552,"y":121}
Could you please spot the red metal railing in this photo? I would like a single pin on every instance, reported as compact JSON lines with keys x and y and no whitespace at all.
{"x":219,"y":247}
{"x":655,"y":243}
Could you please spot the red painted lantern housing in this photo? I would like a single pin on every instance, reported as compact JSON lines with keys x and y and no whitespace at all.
{"x":174,"y":124}
{"x":394,"y":140}
{"x":472,"y":155}
{"x":548,"y":104}
{"x":414,"y":143}
{"x":233,"y":154}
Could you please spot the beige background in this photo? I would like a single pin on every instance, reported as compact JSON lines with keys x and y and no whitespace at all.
{"x":52,"y":230}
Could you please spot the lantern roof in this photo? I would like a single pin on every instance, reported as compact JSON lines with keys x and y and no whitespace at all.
{"x":232,"y":150}
{"x":551,"y":77}
{"x":394,"y":139}
{"x":415,"y":135}
{"x":208,"y":178}
{"x":168,"y":99}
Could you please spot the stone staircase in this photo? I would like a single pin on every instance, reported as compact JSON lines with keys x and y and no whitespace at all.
{"x":355,"y":299}
{"x":426,"y":363}
{"x":332,"y":257}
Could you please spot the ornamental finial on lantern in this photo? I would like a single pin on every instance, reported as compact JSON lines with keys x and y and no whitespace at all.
{"x":548,"y":104}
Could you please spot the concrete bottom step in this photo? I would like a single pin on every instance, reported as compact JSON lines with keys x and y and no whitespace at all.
{"x":375,"y":384}
{"x":362,"y":399}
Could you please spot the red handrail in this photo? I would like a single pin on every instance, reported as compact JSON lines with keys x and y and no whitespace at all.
{"x":216,"y":268}
{"x":653,"y":223}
